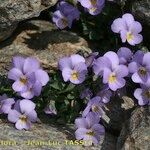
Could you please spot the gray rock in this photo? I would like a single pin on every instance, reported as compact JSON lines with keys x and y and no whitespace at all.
{"x":117,"y":111}
{"x":14,"y":11}
{"x":47,"y":136}
{"x":141,"y":10}
{"x":42,"y":40}
{"x":135,"y":134}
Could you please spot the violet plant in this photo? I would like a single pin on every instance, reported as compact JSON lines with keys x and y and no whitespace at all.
{"x":83,"y":86}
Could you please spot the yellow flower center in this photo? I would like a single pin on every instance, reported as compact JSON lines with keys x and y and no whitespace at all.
{"x":90,"y":133}
{"x":93,"y":2}
{"x":95,"y":108}
{"x":129,"y":36}
{"x":112,"y":78}
{"x":147,"y":94}
{"x":65,"y":22}
{"x":93,"y":9}
{"x":142,"y":71}
{"x":23,"y":118}
{"x":23,"y":80}
{"x":74,"y":75}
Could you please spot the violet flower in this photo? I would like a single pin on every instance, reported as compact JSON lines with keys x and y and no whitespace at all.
{"x":87,"y":93}
{"x":105,"y":94}
{"x":142,"y":95}
{"x":61,"y":21}
{"x":69,"y":10}
{"x":140,"y":67}
{"x":90,"y":59}
{"x":50,"y":109}
{"x":65,"y":15}
{"x":95,"y":105}
{"x":73,"y":68}
{"x":89,"y":129}
{"x":125,"y":55}
{"x":128,"y":28}
{"x":5,"y":104}
{"x":94,"y":7}
{"x":26,"y":72}
{"x":99,"y":64}
{"x":23,"y":119}
{"x":113,"y":73}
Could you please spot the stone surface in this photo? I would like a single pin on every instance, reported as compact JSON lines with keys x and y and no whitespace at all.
{"x":117,"y":111}
{"x":46,"y":136}
{"x":135,"y":134}
{"x":42,"y":40}
{"x":141,"y":9}
{"x":14,"y":11}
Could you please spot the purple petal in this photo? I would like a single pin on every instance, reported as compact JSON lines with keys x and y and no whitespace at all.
{"x":32,"y":116}
{"x":42,"y":76}
{"x":105,"y":95}
{"x":101,"y":63}
{"x":92,"y":119}
{"x":18,"y":62}
{"x":139,"y":97}
{"x":28,"y":94}
{"x":26,"y":106}
{"x":66,"y":73}
{"x":37,"y":88}
{"x":118,"y":25}
{"x":133,"y":67}
{"x":31,"y":65}
{"x":106,"y":75}
{"x":23,"y":125}
{"x":146,"y":59}
{"x":81,"y":123}
{"x":117,"y":85}
{"x":125,"y":53}
{"x":7,"y":104}
{"x":98,"y":129}
{"x":64,"y":63}
{"x":138,"y":57}
{"x":88,"y":140}
{"x":123,"y":35}
{"x":19,"y":86}
{"x":86,"y":111}
{"x":3,"y":97}
{"x":80,"y":133}
{"x":122,"y":71}
{"x":113,"y":57}
{"x":137,"y":39}
{"x":75,"y":59}
{"x":13,"y":116}
{"x":136,"y":78}
{"x":136,"y":27}
{"x":86,"y":4}
{"x":80,"y":67}
{"x":14,"y":74}
{"x":128,"y":18}
{"x":17,"y":106}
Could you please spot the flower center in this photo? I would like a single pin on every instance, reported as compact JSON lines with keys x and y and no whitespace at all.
{"x":93,"y":9}
{"x":129,"y":36}
{"x":93,"y":2}
{"x":90,"y":133}
{"x":147,"y":94}
{"x":23,"y":118}
{"x":142,"y":71}
{"x":65,"y":22}
{"x":23,"y":80}
{"x":95,"y":108}
{"x":112,"y":78}
{"x":74,"y":75}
